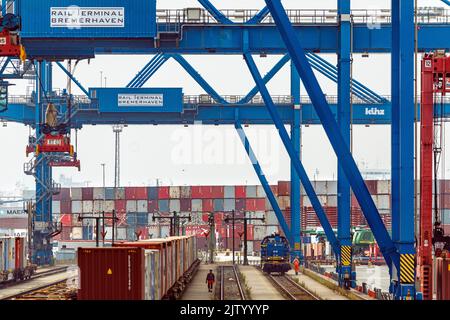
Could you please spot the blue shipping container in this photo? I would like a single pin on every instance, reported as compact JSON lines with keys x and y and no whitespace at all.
{"x":218,"y":205}
{"x":138,"y":100}
{"x":88,"y":19}
{"x":163,"y":205}
{"x":142,"y":219}
{"x":152,"y":193}
{"x":110,"y":194}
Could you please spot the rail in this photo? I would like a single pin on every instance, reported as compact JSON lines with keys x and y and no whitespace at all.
{"x":291,"y":289}
{"x":226,"y":291}
{"x":371,"y":17}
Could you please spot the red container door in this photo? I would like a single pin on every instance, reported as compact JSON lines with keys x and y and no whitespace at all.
{"x":261,"y":204}
{"x":111,"y":273}
{"x":240,"y":205}
{"x":66,"y":206}
{"x":284,"y":188}
{"x":163,"y":193}
{"x":250,"y":205}
{"x":195,"y":192}
{"x":141,"y":193}
{"x":239,"y":192}
{"x":18,"y":254}
{"x":207,"y":205}
{"x":87,"y":194}
{"x":152,"y":206}
{"x":217,"y":192}
{"x":66,"y":219}
{"x":130,"y":193}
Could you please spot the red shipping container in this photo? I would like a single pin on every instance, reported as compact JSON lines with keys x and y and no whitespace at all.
{"x":141,"y":193}
{"x":87,"y":193}
{"x":163,"y":193}
{"x":274,"y":190}
{"x":284,"y":188}
{"x":206,"y":192}
{"x":372,"y":186}
{"x":121,"y":206}
{"x":205,"y":217}
{"x":66,"y":206}
{"x":185,"y":205}
{"x":217,"y":192}
{"x":443,"y":278}
{"x":445,"y":201}
{"x":218,"y":218}
{"x":355,"y":202}
{"x":111,"y":274}
{"x":239,"y":192}
{"x":195,"y":192}
{"x":152,"y":206}
{"x":64,"y":194}
{"x":444,"y":186}
{"x":207,"y":205}
{"x":261,"y":204}
{"x":240,"y":205}
{"x":250,"y":235}
{"x":250,"y":204}
{"x":66,"y":219}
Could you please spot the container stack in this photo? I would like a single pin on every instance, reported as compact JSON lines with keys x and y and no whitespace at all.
{"x":136,"y":208}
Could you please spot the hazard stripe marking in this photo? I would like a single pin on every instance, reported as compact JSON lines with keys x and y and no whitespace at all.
{"x":407,"y":268}
{"x":346,"y":255}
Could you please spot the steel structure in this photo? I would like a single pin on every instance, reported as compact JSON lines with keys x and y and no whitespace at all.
{"x":298,"y":35}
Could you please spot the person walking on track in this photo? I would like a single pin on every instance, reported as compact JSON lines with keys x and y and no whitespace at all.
{"x":296,"y":263}
{"x":210,"y":279}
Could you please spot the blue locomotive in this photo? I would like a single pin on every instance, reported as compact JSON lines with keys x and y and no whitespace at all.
{"x":275,"y":254}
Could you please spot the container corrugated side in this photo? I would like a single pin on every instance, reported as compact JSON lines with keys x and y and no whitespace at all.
{"x":111,"y":274}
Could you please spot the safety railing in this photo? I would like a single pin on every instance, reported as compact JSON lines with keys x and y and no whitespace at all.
{"x":298,"y":16}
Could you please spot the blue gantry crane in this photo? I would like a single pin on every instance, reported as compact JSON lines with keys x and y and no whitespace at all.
{"x":47,"y":34}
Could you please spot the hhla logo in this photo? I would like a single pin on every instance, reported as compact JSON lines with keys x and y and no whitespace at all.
{"x":374,"y":112}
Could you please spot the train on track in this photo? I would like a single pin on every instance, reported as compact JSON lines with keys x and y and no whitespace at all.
{"x":155,"y":269}
{"x":275,"y":257}
{"x":14,"y":264}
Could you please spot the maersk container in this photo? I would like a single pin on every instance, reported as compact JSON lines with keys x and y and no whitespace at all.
{"x":86,"y":19}
{"x":111,"y":274}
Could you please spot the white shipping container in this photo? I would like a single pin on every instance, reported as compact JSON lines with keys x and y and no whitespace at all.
{"x":76,"y":194}
{"x":142,"y":206}
{"x":131,"y":206}
{"x":320,"y":187}
{"x":77,"y":233}
{"x":327,"y":249}
{"x":229,"y":192}
{"x":108,"y":236}
{"x":88,"y":206}
{"x":165,"y":231}
{"x":383,"y":202}
{"x":271,"y":218}
{"x":259,"y":232}
{"x":174,"y":192}
{"x":258,"y":214}
{"x":185,"y":192}
{"x":383,"y":187}
{"x":332,"y":187}
{"x":284,"y":202}
{"x":174,"y":205}
{"x":323,"y":200}
{"x":77,"y":206}
{"x":109,"y":206}
{"x":196,"y":205}
{"x":260,"y":193}
{"x":332,"y":201}
{"x":99,"y":193}
{"x":98,"y":206}
{"x":121,"y":233}
{"x":56,"y":206}
{"x":250,"y":248}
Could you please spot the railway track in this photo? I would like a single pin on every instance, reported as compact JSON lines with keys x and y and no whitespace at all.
{"x":37,"y":275}
{"x":292,"y":289}
{"x":230,"y":284}
{"x":57,"y":290}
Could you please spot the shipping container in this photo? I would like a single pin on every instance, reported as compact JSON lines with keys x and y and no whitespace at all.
{"x":99,"y":193}
{"x":239,"y":192}
{"x":383,"y":187}
{"x":76,"y":194}
{"x":260,"y":193}
{"x":372,"y":186}
{"x":110,"y":194}
{"x":332,"y":187}
{"x":240,"y":205}
{"x":207,"y":205}
{"x":284,"y":188}
{"x":217,"y":192}
{"x":121,"y":206}
{"x":163,"y":205}
{"x":152,"y":206}
{"x":271,"y":218}
{"x":250,"y":191}
{"x":77,"y":233}
{"x":142,"y":205}
{"x":141,"y":193}
{"x":87,"y":19}
{"x":131,"y":206}
{"x":174,"y":193}
{"x":185,"y":192}
{"x":120,"y":193}
{"x":111,"y":274}
{"x":197,"y":205}
{"x":320,"y":187}
{"x":174,"y":205}
{"x":87,"y":193}
{"x":185,"y":205}
{"x":109,"y":206}
{"x":218,"y":205}
{"x":443,"y":278}
{"x":332,"y":201}
{"x":152,"y":193}
{"x":66,"y":220}
{"x":163,"y":193}
{"x":229,"y":192}
{"x":284,"y":202}
{"x":229,"y":204}
{"x":56,"y":206}
{"x":88,"y":206}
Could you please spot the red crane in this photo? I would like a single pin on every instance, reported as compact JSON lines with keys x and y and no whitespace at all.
{"x":435,"y":83}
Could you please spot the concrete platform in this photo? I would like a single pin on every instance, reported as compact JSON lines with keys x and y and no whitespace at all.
{"x":319,"y":289}
{"x":260,"y":287}
{"x":197,"y":289}
{"x":30,"y":285}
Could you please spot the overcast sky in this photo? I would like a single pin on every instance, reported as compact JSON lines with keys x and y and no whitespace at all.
{"x":204,"y":155}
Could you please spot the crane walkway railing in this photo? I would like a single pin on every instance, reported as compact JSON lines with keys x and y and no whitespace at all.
{"x":172,"y":17}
